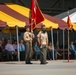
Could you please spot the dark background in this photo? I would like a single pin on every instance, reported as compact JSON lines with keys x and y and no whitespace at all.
{"x":51,"y":7}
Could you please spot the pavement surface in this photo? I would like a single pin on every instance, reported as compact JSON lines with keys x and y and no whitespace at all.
{"x":58,"y":67}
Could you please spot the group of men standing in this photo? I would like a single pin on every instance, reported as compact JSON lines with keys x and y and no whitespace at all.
{"x":42,"y":39}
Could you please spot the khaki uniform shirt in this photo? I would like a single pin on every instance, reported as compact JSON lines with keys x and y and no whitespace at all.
{"x":43,"y":37}
{"x":28,"y":36}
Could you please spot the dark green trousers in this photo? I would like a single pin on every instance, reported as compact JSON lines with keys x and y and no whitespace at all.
{"x":43,"y":54}
{"x":28,"y":52}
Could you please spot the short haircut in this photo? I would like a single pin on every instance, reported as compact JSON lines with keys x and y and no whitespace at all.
{"x":42,"y":26}
{"x":27,"y":26}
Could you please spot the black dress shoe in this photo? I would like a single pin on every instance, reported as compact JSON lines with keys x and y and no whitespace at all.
{"x":44,"y":63}
{"x":29,"y":63}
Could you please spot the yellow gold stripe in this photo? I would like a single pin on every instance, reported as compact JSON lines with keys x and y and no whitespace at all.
{"x":11,"y":22}
{"x":25,"y":12}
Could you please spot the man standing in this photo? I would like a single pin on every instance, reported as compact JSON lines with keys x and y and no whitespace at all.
{"x":28,"y":36}
{"x":1,"y":49}
{"x":72,"y":49}
{"x":43,"y":42}
{"x":10,"y":49}
{"x":22,"y":50}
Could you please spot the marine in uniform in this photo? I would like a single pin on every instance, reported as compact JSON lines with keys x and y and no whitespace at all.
{"x":28,"y":36}
{"x":43,"y":42}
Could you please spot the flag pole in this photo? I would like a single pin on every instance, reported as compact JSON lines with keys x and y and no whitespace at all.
{"x":52,"y":43}
{"x":68,"y":40}
{"x":63,"y":44}
{"x":57,"y":39}
{"x":68,"y":46}
{"x":31,"y":40}
{"x":18,"y":43}
{"x":31,"y":30}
